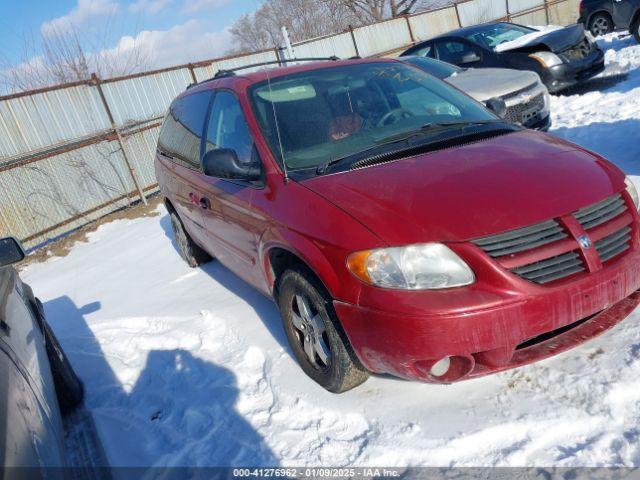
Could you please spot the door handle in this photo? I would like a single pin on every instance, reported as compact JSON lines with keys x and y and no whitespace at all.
{"x":205,"y":203}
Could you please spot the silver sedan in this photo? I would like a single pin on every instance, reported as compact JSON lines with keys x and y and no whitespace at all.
{"x":525,"y":97}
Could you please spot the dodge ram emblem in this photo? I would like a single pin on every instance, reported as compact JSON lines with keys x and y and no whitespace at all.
{"x":584,"y":241}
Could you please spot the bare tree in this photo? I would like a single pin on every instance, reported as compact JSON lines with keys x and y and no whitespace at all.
{"x":377,"y":10}
{"x":306,"y":19}
{"x":67,"y":55}
{"x":303,"y":18}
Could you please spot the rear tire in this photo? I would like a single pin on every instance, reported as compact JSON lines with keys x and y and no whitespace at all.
{"x":187,"y":248}
{"x":635,"y":29}
{"x":600,"y":24}
{"x":315,"y":334}
{"x":69,"y":388}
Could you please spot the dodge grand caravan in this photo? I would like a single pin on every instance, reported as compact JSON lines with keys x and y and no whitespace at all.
{"x":400,"y":226}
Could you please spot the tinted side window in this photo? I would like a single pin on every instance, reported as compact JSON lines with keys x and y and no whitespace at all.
{"x":182,"y":129}
{"x":228,"y":128}
{"x":425,"y":51}
{"x":454,"y":52}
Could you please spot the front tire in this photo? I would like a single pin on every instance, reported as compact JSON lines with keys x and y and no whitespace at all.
{"x":315,"y":334}
{"x":69,"y":388}
{"x":187,"y":248}
{"x":600,"y":24}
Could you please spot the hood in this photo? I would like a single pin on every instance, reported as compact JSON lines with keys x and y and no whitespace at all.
{"x":485,"y":83}
{"x":555,"y":39}
{"x":471,"y":191}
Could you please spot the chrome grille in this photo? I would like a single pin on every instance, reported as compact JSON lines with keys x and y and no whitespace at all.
{"x":522,"y":239}
{"x":553,"y":268}
{"x":614,"y":244}
{"x":515,"y":113}
{"x":600,"y":212}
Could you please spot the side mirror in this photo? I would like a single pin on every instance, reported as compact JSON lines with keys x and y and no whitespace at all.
{"x":224,"y":163}
{"x":497,"y":106}
{"x":470,"y":57}
{"x":10,"y":251}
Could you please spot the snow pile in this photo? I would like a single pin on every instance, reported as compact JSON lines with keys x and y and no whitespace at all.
{"x":604,"y":116}
{"x":191,"y":367}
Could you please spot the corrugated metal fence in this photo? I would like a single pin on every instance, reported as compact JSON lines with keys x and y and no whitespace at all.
{"x":72,"y":153}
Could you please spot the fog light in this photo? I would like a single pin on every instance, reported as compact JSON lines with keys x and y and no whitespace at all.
{"x":440,"y":367}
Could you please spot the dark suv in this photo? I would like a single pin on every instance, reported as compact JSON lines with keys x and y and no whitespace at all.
{"x":399,"y":225}
{"x":604,"y":16}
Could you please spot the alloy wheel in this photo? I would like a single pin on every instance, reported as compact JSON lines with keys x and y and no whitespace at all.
{"x":600,"y":26}
{"x":311,"y":332}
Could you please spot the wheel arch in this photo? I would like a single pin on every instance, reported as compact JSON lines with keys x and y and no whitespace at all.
{"x":169,"y":206}
{"x":279,"y":258}
{"x":635,"y":18}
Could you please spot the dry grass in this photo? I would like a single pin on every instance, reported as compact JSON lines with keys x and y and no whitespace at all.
{"x":61,"y":247}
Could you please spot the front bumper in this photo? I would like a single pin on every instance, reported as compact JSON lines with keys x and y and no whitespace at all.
{"x":567,"y":75}
{"x":543,"y":124}
{"x":503,"y":328}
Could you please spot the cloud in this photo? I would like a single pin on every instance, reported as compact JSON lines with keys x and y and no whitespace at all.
{"x":187,"y":42}
{"x":192,"y":6}
{"x":85,"y":11}
{"x":148,"y":6}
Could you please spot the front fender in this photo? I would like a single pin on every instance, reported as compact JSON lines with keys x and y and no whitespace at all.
{"x":307,"y":251}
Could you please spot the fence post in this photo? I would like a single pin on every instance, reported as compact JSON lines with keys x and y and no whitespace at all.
{"x":114,"y":126}
{"x":353,"y":39}
{"x":546,"y":10}
{"x":193,"y":74}
{"x":406,"y":17}
{"x":455,"y":5}
{"x":276,"y":50}
{"x":508,"y":13}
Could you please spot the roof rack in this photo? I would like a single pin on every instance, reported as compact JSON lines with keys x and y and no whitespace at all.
{"x":229,"y":72}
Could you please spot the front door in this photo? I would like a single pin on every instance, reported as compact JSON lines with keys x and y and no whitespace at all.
{"x":232,"y":227}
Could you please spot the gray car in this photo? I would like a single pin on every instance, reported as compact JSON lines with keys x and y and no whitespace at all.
{"x":526,"y":98}
{"x":37,"y":381}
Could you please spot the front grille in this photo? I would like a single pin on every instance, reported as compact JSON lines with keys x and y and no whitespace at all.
{"x":577,"y":52}
{"x":552,"y":268}
{"x":523,"y":112}
{"x":600,"y":212}
{"x":522,"y":239}
{"x":561,"y":265}
{"x":614,"y":244}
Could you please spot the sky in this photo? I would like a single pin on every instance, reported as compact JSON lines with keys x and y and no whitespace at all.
{"x":168,"y":32}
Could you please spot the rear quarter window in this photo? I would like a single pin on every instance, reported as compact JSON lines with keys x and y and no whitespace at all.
{"x":182,"y":128}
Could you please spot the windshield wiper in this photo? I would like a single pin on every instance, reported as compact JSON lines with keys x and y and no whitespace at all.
{"x":402,"y":137}
{"x":429,"y":127}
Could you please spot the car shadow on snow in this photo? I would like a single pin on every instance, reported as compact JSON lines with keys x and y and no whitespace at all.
{"x":616,"y":141}
{"x":179,"y":412}
{"x":264,"y":307}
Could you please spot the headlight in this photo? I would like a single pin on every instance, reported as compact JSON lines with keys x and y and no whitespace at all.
{"x":633,"y":192}
{"x":414,"y":267}
{"x":547,"y":59}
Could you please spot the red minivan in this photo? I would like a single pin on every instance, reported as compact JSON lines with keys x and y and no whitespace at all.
{"x":400,"y":226}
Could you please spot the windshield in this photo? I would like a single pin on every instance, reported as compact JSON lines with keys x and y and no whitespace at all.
{"x":335,"y":112}
{"x":493,"y":35}
{"x":435,"y":67}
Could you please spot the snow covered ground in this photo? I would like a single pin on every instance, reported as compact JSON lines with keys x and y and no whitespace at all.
{"x":191,"y":367}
